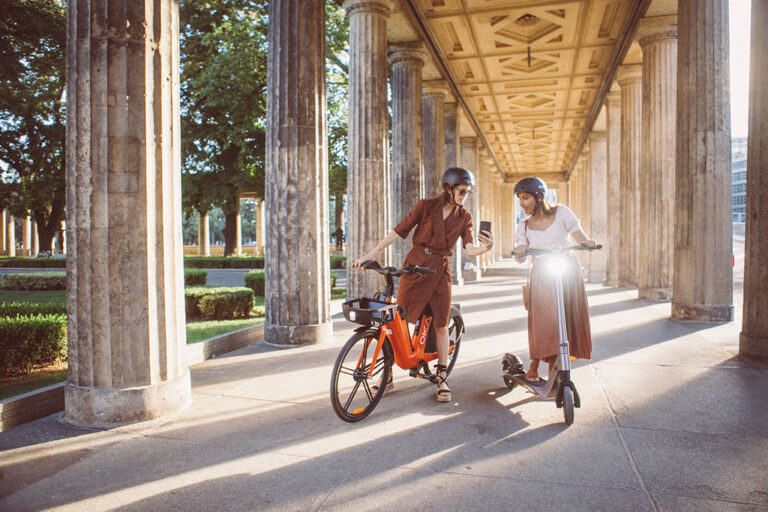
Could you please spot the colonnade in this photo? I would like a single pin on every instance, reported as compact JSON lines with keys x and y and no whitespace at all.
{"x":126,"y":319}
{"x":657,"y":177}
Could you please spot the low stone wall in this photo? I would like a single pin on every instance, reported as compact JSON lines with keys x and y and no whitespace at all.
{"x":43,"y":402}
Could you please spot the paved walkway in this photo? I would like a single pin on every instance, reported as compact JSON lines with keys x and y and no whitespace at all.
{"x":670,"y":420}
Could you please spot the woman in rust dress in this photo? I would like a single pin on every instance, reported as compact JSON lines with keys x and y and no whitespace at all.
{"x":547,"y":227}
{"x":439,"y":223}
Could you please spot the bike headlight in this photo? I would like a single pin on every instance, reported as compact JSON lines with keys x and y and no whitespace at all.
{"x":556,"y":265}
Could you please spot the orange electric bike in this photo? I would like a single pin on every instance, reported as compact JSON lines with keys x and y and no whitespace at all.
{"x":364,"y":365}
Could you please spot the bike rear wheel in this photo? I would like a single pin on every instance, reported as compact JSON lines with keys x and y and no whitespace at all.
{"x":455,"y":330}
{"x":354,"y":394}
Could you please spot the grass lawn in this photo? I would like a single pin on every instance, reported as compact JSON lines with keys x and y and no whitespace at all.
{"x":12,"y":386}
{"x":205,"y":329}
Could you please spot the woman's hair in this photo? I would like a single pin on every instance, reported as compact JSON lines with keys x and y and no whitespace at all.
{"x":546,"y":208}
{"x":444,"y":196}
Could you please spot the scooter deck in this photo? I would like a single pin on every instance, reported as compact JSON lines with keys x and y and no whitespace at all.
{"x":538,"y":388}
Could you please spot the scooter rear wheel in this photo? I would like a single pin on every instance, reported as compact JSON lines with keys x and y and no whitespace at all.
{"x":568,"y":405}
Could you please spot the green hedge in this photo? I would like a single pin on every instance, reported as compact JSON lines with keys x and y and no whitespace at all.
{"x":255,"y":281}
{"x":19,"y":262}
{"x":195,"y":277}
{"x":224,"y":262}
{"x":338,"y":262}
{"x":35,"y":281}
{"x":218,"y":302}
{"x":33,"y":308}
{"x":30,"y":341}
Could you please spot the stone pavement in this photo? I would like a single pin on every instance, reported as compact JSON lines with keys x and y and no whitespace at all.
{"x":670,"y":420}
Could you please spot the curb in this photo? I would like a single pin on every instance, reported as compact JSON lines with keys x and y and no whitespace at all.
{"x":45,"y":401}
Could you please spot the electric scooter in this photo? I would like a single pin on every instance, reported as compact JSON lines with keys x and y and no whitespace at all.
{"x":559,"y":386}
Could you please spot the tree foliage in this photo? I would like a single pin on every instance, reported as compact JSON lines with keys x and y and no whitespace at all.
{"x":32,"y":111}
{"x":337,"y":85}
{"x":223,"y":96}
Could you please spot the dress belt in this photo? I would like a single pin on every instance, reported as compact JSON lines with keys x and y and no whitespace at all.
{"x":439,"y":252}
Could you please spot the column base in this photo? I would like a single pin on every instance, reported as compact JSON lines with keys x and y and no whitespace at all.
{"x":293,"y":335}
{"x":596,"y":276}
{"x":702,"y":312}
{"x":611,"y":282}
{"x":654,"y":293}
{"x":102,"y":407}
{"x":627,"y":283}
{"x":753,"y":348}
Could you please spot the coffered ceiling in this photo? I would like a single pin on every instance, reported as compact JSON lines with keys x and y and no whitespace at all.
{"x":529,"y":71}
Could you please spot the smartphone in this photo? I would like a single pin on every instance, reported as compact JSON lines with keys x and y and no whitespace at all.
{"x":485,"y":225}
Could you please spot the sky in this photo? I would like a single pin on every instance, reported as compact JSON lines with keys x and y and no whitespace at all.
{"x":739,"y":57}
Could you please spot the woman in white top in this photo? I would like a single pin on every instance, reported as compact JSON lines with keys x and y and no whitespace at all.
{"x":547,"y":227}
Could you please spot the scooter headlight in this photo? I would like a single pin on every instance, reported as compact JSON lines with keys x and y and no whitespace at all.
{"x":557,"y":265}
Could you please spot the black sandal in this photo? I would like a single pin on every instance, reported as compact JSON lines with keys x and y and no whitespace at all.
{"x":443,"y":395}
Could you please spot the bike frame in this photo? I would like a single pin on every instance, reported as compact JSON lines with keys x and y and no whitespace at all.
{"x":409,"y":350}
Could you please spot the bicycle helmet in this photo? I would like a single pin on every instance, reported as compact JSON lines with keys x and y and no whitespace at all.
{"x":456,"y":176}
{"x":533,"y":186}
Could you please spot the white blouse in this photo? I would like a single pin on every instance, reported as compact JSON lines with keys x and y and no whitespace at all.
{"x":556,"y":235}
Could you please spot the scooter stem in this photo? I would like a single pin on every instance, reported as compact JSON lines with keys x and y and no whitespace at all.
{"x":565,"y":357}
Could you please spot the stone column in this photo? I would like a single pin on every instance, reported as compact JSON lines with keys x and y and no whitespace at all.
{"x":508,"y":219}
{"x":452,"y":159}
{"x":630,"y":79}
{"x":496,"y":227}
{"x":125,"y":279}
{"x":658,"y":39}
{"x":3,"y":240}
{"x":238,"y":230}
{"x":10,"y":235}
{"x":612,"y":241}
{"x":35,"y":239}
{"x":297,"y":269}
{"x":753,"y":342}
{"x":484,"y":198}
{"x":469,"y":161}
{"x":598,"y":203}
{"x":406,"y":62}
{"x":433,"y":98}
{"x":203,"y":234}
{"x":367,"y":140}
{"x":260,"y":227}
{"x":26,"y":235}
{"x":703,"y":264}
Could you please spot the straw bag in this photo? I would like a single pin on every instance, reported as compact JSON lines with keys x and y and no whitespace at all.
{"x":525,"y":296}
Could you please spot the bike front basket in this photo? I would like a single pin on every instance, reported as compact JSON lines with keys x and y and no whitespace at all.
{"x":368,"y":311}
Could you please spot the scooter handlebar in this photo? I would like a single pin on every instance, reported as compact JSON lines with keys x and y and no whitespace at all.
{"x":580,"y":247}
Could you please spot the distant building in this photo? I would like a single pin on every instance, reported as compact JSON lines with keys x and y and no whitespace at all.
{"x":739,"y":178}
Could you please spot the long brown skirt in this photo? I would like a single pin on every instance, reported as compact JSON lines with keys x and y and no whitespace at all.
{"x":543,"y":339}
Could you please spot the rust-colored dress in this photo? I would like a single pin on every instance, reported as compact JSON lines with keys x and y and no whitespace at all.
{"x":438,"y":237}
{"x":543,"y":336}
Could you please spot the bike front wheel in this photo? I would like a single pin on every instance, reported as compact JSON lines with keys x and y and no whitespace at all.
{"x":360,"y":376}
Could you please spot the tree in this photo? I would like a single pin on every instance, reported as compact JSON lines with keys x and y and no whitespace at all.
{"x":223,"y":104}
{"x":337,"y":85}
{"x":32,"y":112}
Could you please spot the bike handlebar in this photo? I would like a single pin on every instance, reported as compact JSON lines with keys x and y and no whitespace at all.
{"x":396,"y":272}
{"x":580,"y":247}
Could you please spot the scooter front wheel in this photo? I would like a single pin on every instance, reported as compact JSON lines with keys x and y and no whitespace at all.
{"x":568,"y":405}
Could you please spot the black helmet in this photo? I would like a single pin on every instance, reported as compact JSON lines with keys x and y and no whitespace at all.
{"x":458,"y":176}
{"x":533,"y":186}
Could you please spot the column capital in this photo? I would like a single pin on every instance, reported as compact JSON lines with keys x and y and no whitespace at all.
{"x":451,"y":106}
{"x":408,"y":53}
{"x":597,"y":135}
{"x":628,"y":74}
{"x":613,"y":98}
{"x":436,"y":88}
{"x":657,"y":28}
{"x":381,"y":7}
